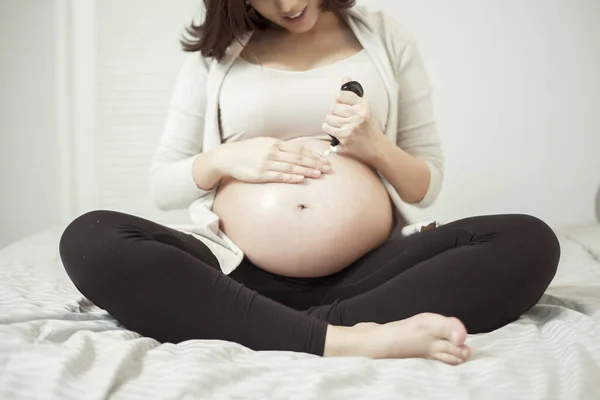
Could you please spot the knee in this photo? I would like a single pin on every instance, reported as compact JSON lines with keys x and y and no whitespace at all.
{"x":80,"y":241}
{"x":82,"y":231}
{"x":539,"y":244}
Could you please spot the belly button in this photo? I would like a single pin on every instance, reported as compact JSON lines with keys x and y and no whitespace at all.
{"x":302,"y":207}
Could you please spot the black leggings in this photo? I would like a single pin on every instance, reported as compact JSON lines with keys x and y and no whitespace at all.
{"x":164,"y":284}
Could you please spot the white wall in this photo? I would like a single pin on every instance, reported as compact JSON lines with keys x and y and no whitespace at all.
{"x":137,"y":59}
{"x":517,"y":89}
{"x":29,"y":165}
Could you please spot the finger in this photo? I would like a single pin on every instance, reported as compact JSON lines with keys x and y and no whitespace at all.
{"x":346,"y":80}
{"x":348,"y":97}
{"x":343,"y":110}
{"x":293,"y":169}
{"x":338,"y":122}
{"x":273,"y":176}
{"x":306,"y":152}
{"x":299,"y":150}
{"x":275,"y":149}
{"x":338,"y":133}
{"x":312,"y":161}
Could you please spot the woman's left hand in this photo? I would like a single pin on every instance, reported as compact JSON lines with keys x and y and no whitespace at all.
{"x":350,"y":122}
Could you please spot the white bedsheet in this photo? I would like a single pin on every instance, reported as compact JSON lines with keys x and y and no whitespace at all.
{"x":55,"y":345}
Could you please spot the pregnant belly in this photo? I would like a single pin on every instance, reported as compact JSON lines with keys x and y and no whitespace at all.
{"x":312,"y":229}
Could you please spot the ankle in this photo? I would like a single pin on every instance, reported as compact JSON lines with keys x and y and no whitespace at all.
{"x":343,"y":341}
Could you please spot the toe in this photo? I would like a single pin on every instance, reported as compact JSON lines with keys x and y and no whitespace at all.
{"x":456,"y":331}
{"x":448,"y":328}
{"x":444,"y":346}
{"x":448,"y":358}
{"x":465,"y":352}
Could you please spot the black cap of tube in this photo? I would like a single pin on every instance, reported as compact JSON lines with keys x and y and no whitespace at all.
{"x":355,"y":88}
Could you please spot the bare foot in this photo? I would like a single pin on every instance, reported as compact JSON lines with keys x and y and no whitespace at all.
{"x":422,"y":336}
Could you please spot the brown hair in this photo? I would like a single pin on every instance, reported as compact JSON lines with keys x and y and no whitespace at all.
{"x":226,"y":20}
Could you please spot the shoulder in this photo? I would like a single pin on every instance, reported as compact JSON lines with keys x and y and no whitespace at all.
{"x":194,"y":65}
{"x":395,"y":36}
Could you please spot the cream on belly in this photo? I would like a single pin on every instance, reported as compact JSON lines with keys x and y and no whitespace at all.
{"x":312,"y":229}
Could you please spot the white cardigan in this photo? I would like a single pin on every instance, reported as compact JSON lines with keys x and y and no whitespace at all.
{"x":192,"y":124}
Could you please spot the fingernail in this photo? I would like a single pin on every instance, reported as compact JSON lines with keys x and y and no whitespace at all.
{"x":316,"y":172}
{"x":326,"y":167}
{"x":465,"y":353}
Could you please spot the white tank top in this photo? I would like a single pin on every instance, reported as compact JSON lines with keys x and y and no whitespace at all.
{"x":260,"y":101}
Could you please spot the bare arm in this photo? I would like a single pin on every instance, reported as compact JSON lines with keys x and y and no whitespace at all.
{"x":409,"y":175}
{"x":416,"y":166}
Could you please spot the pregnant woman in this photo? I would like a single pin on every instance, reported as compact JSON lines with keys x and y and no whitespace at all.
{"x":290,"y":248}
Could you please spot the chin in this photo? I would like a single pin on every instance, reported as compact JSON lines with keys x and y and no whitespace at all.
{"x":310,"y":21}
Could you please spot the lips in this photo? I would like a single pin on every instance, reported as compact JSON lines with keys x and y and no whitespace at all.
{"x":295,"y":15}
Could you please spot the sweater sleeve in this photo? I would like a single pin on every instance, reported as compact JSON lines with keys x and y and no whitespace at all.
{"x":172,"y":184}
{"x":417,"y":128}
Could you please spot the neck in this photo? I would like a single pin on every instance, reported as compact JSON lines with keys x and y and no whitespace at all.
{"x":327,"y":21}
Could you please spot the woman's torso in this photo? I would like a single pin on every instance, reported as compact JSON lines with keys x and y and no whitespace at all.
{"x":322,"y":226}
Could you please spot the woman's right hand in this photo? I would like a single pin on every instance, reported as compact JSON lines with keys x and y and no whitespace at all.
{"x":266,"y":159}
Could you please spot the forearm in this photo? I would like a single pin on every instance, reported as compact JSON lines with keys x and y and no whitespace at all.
{"x":409,"y":175}
{"x":175,"y":184}
{"x":172,"y":183}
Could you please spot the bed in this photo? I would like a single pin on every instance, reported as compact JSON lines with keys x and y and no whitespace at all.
{"x":54,"y":344}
